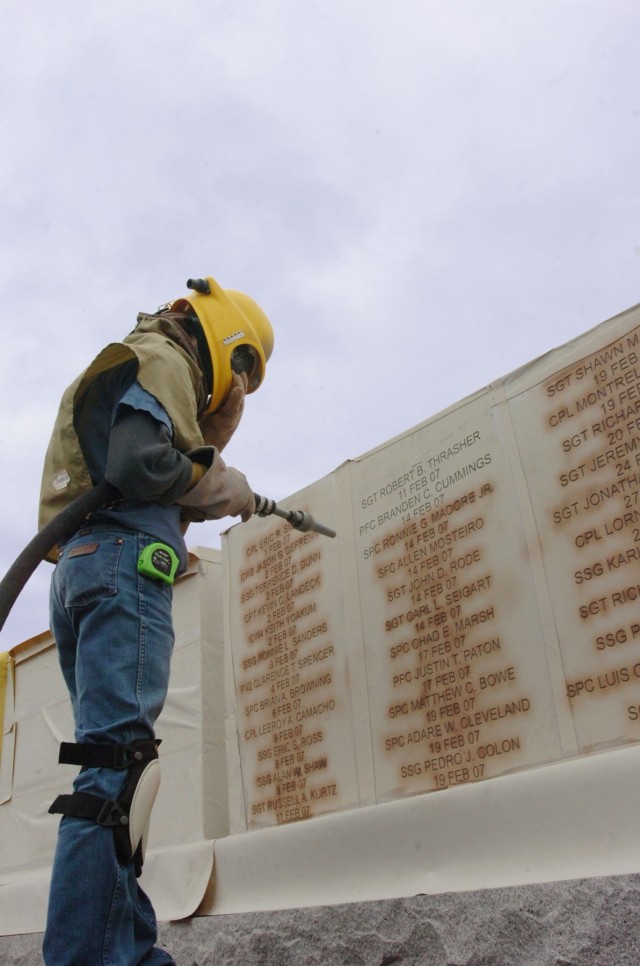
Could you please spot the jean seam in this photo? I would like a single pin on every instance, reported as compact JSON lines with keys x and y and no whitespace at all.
{"x":142,"y":645}
{"x":106,"y":955}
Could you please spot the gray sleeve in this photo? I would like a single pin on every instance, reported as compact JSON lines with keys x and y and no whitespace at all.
{"x":142,"y":462}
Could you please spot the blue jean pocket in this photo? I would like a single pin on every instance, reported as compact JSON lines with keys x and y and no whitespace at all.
{"x":88,"y":571}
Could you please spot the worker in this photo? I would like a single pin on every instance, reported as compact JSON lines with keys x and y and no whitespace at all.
{"x":149,"y":416}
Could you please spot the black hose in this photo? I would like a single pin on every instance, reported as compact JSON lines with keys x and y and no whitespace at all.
{"x":63,"y":525}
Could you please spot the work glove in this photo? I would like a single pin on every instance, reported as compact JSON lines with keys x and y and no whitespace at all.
{"x":218,"y":428}
{"x":223,"y":491}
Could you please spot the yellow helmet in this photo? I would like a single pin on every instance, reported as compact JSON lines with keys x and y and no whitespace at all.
{"x":238,"y":333}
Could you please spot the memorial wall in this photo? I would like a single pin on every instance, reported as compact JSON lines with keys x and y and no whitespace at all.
{"x":476,"y":617}
{"x":477,"y":613}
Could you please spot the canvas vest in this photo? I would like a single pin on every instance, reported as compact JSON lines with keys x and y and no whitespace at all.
{"x":165,"y":369}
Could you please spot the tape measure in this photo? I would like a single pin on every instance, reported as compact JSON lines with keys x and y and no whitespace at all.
{"x":158,"y":561}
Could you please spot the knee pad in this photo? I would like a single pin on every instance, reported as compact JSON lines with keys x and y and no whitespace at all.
{"x":142,"y":802}
{"x":129,"y":815}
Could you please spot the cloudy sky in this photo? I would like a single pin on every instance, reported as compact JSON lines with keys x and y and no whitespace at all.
{"x":423,"y":195}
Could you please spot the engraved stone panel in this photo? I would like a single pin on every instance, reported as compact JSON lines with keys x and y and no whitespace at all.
{"x":458,"y":679}
{"x":578,"y":435}
{"x":292,"y":696}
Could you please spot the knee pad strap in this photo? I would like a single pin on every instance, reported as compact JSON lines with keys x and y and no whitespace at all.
{"x":109,"y":755}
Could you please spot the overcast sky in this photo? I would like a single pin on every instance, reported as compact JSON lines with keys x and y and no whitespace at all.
{"x":423,"y":195}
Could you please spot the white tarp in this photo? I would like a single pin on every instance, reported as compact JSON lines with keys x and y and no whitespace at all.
{"x":570,"y":820}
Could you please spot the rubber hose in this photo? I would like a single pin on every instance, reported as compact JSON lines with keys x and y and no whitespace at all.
{"x":63,"y":525}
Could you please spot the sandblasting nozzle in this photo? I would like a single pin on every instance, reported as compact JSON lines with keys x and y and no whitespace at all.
{"x":298,"y":519}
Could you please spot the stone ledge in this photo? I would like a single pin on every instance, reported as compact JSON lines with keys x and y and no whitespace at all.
{"x":583,"y":922}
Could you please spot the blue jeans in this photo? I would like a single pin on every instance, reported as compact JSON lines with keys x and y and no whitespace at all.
{"x":114,"y":634}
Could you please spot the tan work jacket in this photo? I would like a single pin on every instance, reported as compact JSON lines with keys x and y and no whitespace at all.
{"x":165,"y":369}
